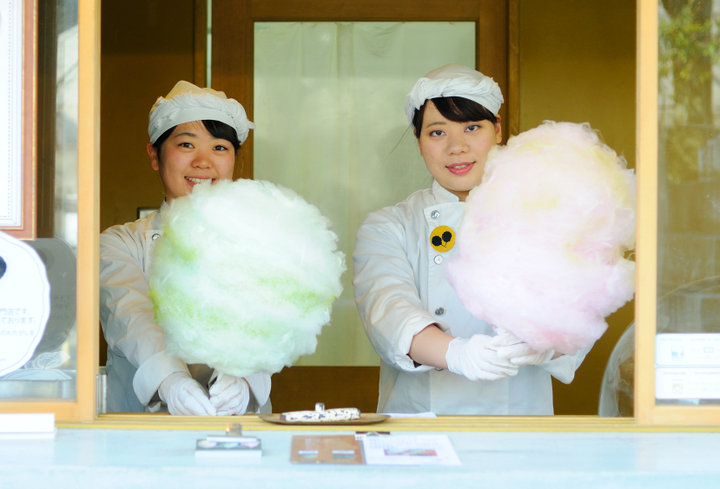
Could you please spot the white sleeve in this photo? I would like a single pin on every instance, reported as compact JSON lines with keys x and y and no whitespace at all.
{"x":385,"y":290}
{"x":563,"y":367}
{"x":126,"y":312}
{"x":259,"y":384}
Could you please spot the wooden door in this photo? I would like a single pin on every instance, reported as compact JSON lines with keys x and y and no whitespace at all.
{"x":233,"y":21}
{"x":233,"y":37}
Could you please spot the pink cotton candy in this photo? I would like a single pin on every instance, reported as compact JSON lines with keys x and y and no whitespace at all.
{"x":541,"y":248}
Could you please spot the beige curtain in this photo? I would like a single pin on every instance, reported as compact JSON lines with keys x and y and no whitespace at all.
{"x":329,"y":110}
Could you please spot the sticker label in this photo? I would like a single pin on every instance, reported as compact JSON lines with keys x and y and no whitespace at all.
{"x":24,"y":303}
{"x":442,"y":239}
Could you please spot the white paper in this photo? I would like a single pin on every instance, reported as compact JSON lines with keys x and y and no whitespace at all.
{"x":27,"y":425}
{"x":687,"y":350}
{"x":687,"y":383}
{"x":409,"y":450}
{"x":11,"y":113}
{"x":687,"y":366}
{"x":24,"y":302}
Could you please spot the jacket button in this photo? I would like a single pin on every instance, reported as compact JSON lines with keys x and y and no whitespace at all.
{"x":155,"y":236}
{"x":435,"y":214}
{"x":438,"y":259}
{"x":439,"y":311}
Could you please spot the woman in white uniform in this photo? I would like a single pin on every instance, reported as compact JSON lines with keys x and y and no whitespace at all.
{"x":435,"y":356}
{"x":194,"y":137}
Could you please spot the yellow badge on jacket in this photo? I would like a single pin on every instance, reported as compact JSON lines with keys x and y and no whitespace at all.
{"x":442,"y":238}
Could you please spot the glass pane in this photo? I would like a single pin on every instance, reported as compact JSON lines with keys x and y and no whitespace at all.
{"x":308,"y":77}
{"x":688,"y":322}
{"x":50,"y":372}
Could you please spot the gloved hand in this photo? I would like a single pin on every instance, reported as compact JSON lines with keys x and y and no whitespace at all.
{"x":476,"y":359}
{"x":183,"y":395}
{"x":518,"y":352}
{"x":229,"y":394}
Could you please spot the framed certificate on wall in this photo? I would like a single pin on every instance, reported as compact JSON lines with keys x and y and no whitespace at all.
{"x":17,"y":121}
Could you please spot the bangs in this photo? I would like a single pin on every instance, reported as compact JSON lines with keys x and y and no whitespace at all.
{"x":460,"y":109}
{"x":456,"y":109}
{"x":221,"y":130}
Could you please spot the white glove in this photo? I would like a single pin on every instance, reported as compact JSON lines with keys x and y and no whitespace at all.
{"x":517,"y":352}
{"x":183,"y":395}
{"x":476,"y":359}
{"x":229,"y":395}
{"x":259,"y":383}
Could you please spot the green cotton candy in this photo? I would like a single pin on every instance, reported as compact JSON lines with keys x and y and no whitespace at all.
{"x":244,"y":277}
{"x":304,"y":299}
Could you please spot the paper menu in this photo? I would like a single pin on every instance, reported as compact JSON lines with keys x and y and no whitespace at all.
{"x":687,"y":366}
{"x":387,"y":449}
{"x":326,"y":449}
{"x":430,"y":449}
{"x":24,"y":302}
{"x":11,"y":116}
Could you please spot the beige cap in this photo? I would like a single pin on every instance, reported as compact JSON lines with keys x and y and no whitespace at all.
{"x":187,"y":102}
{"x":454,"y":80}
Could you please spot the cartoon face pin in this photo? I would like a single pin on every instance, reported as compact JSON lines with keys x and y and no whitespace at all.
{"x":442,"y":238}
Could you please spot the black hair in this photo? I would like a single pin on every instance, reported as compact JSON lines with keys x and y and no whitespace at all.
{"x":218,"y":130}
{"x":458,"y":109}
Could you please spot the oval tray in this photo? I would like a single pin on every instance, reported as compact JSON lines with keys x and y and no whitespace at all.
{"x":365,"y":418}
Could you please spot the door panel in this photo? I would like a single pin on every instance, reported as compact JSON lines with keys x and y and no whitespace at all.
{"x":233,"y":39}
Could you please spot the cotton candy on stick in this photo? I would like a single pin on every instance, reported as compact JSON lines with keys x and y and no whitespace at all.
{"x":542,"y":244}
{"x":244,"y":276}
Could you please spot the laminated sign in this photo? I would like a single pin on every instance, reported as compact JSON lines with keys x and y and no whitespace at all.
{"x":24,"y":302}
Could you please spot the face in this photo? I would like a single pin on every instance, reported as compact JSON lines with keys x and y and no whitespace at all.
{"x":455,"y":152}
{"x":190,"y":156}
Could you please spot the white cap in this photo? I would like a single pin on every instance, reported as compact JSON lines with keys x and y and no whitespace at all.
{"x":454,"y":81}
{"x":187,"y":102}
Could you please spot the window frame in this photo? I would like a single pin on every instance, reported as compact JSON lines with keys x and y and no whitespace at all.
{"x":648,"y":415}
{"x":84,"y":406}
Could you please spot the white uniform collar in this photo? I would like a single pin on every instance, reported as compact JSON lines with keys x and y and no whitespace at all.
{"x":442,"y":194}
{"x":157,"y":218}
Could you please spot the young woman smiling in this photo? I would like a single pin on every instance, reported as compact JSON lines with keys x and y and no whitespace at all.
{"x":194,"y":136}
{"x":435,"y":356}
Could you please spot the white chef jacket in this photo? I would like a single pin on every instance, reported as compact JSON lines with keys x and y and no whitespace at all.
{"x":136,"y":359}
{"x":401,"y":288}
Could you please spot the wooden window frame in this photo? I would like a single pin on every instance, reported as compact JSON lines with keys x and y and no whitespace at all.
{"x":648,"y":415}
{"x":84,"y":407}
{"x":647,"y":411}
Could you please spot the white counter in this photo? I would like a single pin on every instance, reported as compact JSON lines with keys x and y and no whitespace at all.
{"x":125,"y":458}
